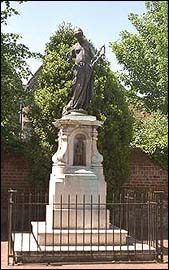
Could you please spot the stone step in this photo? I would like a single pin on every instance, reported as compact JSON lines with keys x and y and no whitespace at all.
{"x":26,"y":249}
{"x":26,"y":242}
{"x":57,"y":237}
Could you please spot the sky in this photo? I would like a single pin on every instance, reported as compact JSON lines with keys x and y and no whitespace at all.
{"x":101,"y":22}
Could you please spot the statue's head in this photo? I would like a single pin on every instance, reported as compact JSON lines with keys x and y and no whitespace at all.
{"x":78,"y":32}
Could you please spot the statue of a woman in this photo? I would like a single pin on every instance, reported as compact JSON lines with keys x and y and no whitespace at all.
{"x":83,"y":79}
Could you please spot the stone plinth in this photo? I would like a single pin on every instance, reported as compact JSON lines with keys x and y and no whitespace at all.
{"x":27,"y":250}
{"x":73,"y":237}
{"x":77,"y":175}
{"x":80,"y":218}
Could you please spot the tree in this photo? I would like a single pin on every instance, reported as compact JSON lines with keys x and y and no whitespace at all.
{"x":150,"y":133}
{"x":108,"y":105}
{"x":144,"y":57}
{"x":14,"y":69}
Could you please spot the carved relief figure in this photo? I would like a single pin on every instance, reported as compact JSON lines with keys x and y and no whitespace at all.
{"x":79,"y":152}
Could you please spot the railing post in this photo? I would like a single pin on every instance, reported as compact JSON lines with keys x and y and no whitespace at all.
{"x":161,"y":224}
{"x":159,"y":200}
{"x":10,"y":212}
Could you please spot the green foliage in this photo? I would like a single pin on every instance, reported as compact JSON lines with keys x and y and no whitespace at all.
{"x":144,"y":57}
{"x":8,"y":11}
{"x":108,"y":105}
{"x":151,"y":135}
{"x":13,"y":69}
{"x":40,"y":162}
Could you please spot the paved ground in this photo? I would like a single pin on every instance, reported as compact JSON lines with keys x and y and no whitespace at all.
{"x":85,"y":265}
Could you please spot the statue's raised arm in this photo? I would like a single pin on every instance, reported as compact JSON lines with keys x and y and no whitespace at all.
{"x":71,"y":54}
{"x":98,"y":55}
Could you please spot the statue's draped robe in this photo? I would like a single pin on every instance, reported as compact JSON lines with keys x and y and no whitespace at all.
{"x":83,"y":77}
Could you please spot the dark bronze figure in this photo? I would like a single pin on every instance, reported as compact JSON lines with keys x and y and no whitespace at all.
{"x":85,"y":58}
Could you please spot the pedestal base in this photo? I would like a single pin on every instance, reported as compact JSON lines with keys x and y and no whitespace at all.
{"x":27,"y":249}
{"x":75,"y":237}
{"x":77,"y":218}
{"x":78,"y":201}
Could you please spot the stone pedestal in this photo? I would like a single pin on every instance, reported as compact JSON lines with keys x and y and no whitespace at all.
{"x":77,"y":175}
{"x":76,"y":213}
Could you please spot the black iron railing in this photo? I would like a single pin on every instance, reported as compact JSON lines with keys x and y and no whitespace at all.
{"x":84,"y":228}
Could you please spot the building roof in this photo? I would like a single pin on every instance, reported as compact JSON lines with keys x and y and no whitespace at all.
{"x":34,"y":79}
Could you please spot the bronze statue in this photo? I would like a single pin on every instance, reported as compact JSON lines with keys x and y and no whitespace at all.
{"x":85,"y":58}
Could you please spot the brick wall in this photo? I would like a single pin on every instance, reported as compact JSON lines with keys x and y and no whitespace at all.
{"x":15,"y":174}
{"x":146,"y":174}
